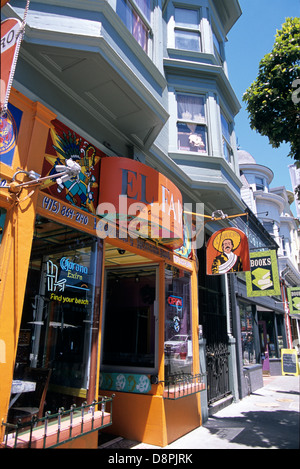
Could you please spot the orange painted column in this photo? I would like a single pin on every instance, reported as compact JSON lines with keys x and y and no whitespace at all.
{"x":18,"y":232}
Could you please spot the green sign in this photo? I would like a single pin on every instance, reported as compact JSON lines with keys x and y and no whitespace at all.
{"x":293,"y":295}
{"x":263,"y":278}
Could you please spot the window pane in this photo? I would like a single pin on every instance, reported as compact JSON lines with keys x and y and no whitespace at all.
{"x":191,"y":137}
{"x":178,"y":338}
{"x":58,"y":305}
{"x":225,"y":128}
{"x":249,"y":355}
{"x":226,"y":151}
{"x":190,"y":108}
{"x":259,"y":184}
{"x":144,"y":6}
{"x":133,"y":23}
{"x":186,"y":17}
{"x":187,"y":40}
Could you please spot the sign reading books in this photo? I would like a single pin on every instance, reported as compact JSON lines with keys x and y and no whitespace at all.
{"x":293,"y":295}
{"x":263,"y":278}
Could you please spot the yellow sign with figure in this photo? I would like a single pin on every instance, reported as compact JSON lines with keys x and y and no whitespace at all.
{"x":289,"y":362}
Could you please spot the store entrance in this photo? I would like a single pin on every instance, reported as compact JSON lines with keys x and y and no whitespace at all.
{"x":130,"y":319}
{"x":264,"y":346}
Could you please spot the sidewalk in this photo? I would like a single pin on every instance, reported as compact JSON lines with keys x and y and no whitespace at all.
{"x":267,"y":419}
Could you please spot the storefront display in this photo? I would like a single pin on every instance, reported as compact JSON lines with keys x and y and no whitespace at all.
{"x":178,"y":332}
{"x":58,"y":308}
{"x":99,"y":309}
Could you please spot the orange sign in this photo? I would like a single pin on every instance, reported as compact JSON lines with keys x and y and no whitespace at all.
{"x":140,"y":201}
{"x":9,"y":35}
{"x":227,"y":251}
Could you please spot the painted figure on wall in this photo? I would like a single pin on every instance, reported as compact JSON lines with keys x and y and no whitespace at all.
{"x":64,"y":144}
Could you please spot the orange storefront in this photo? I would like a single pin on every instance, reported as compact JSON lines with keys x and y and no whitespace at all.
{"x":98,"y":284}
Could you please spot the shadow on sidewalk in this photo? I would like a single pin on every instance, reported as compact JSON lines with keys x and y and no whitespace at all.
{"x":263,"y":429}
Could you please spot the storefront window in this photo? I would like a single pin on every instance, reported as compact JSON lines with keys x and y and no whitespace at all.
{"x":247,"y":334}
{"x":268,"y":336}
{"x":178,"y":334}
{"x":58,"y":308}
{"x":129,"y":324}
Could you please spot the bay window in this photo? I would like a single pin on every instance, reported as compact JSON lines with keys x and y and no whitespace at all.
{"x":191,"y":123}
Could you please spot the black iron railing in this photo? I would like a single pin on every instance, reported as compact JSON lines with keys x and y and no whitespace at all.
{"x":181,"y":385}
{"x":57,"y":429}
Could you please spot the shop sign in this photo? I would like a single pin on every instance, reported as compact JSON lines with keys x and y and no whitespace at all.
{"x":175,"y":301}
{"x":263,"y":278}
{"x":64,"y":144}
{"x":289,"y":362}
{"x":9,"y":129}
{"x":227,"y":252}
{"x":125,"y":382}
{"x":10,"y":29}
{"x":66,"y":214}
{"x":140,"y":202}
{"x":293,"y":295}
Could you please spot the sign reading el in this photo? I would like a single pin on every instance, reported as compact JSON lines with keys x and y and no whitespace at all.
{"x":140,"y":201}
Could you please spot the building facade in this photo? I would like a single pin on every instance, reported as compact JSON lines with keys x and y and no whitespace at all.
{"x":132,"y":101}
{"x":279,"y":326}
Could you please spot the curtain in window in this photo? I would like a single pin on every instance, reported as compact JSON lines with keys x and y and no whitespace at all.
{"x":190,"y":108}
{"x":133,"y":22}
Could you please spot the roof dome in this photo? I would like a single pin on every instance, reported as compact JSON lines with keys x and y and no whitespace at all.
{"x":245,"y":157}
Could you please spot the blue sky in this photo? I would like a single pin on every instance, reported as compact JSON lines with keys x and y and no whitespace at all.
{"x":253,"y":36}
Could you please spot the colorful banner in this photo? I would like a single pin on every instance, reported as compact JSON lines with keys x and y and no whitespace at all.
{"x":293,"y":295}
{"x":63,"y":144}
{"x":227,"y":252}
{"x":10,"y":35}
{"x":9,"y":129}
{"x":263,"y":278}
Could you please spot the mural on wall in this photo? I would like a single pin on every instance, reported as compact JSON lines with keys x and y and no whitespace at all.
{"x":9,"y":129}
{"x":227,"y":251}
{"x":64,"y":144}
{"x":125,"y":382}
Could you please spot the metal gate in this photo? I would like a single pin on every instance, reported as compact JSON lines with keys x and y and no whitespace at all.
{"x":217,"y":354}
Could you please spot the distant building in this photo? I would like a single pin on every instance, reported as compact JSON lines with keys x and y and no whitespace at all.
{"x":272,"y":206}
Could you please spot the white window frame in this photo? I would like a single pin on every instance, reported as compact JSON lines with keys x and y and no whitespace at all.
{"x":186,"y":28}
{"x":226,"y":136}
